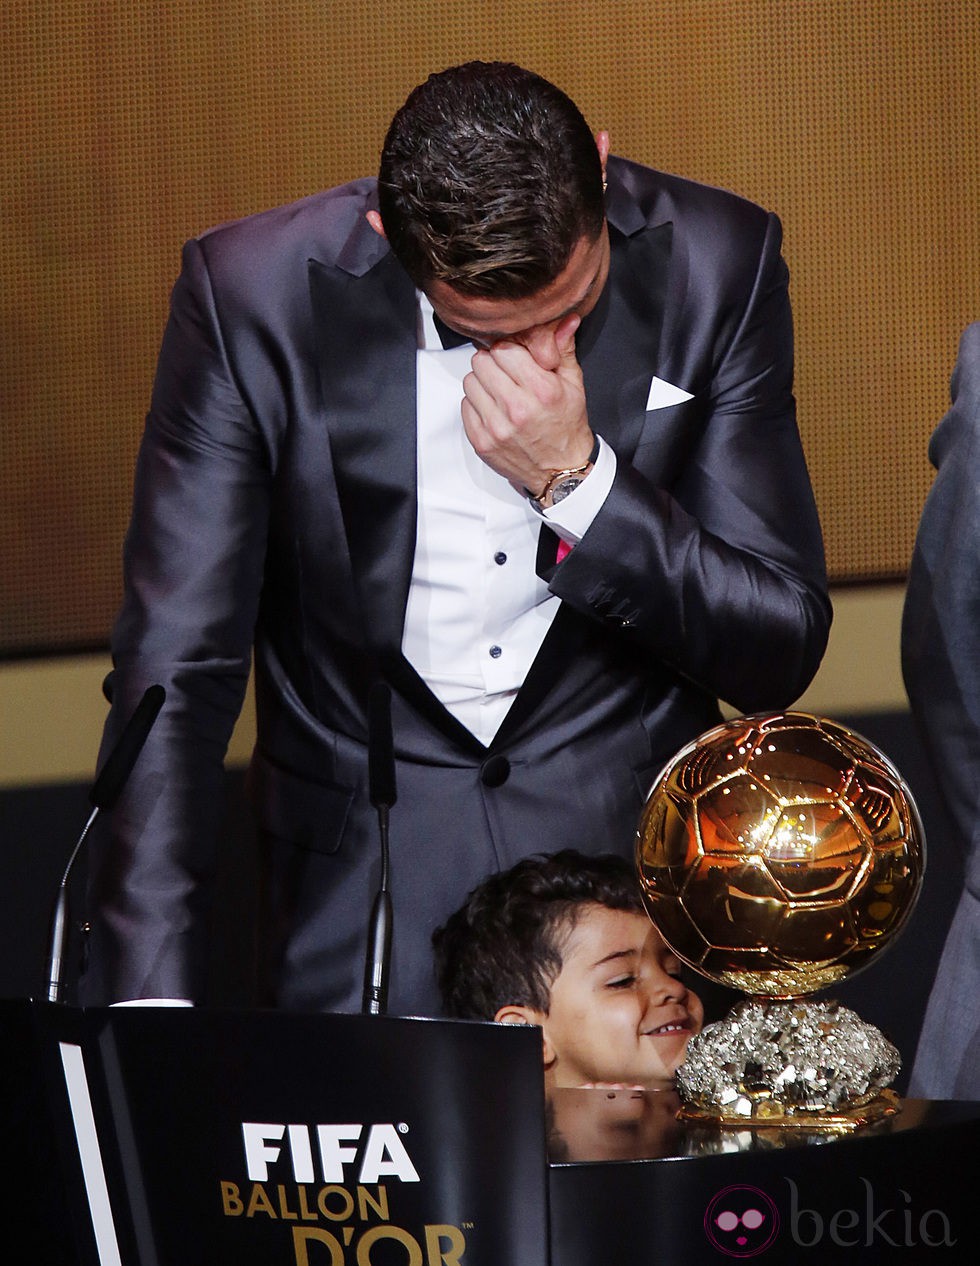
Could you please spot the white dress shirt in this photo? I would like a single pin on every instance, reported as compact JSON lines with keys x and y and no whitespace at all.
{"x":477,"y":611}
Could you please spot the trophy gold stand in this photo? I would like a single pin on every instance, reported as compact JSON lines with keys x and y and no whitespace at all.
{"x":778,"y":854}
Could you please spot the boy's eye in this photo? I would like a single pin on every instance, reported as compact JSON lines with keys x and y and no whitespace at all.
{"x":621,"y":982}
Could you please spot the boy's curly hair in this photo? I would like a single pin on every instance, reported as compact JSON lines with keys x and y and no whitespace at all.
{"x":505,"y":944}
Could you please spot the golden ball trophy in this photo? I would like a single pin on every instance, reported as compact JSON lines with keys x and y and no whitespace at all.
{"x":778,"y":854}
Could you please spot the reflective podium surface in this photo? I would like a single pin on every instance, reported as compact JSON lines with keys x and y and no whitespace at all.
{"x":629,"y":1183}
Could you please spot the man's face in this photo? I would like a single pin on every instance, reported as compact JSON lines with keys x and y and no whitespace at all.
{"x":618,"y":1013}
{"x":576,"y":290}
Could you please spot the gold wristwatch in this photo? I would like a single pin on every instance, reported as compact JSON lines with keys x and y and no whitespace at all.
{"x":564,"y":482}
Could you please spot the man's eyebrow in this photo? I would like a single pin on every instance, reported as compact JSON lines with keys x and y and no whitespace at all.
{"x":595,"y":277}
{"x":583,"y":296}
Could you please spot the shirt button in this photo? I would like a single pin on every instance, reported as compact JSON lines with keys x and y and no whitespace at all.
{"x":496,"y":652}
{"x":500,"y":558}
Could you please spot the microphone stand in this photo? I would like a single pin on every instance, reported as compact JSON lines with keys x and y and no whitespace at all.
{"x":54,"y":964}
{"x":104,"y":793}
{"x":381,"y":780}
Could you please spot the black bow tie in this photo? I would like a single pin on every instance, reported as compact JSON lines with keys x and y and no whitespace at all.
{"x":450,"y":338}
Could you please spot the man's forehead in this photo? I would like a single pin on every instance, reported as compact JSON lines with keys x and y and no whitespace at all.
{"x":493,"y":319}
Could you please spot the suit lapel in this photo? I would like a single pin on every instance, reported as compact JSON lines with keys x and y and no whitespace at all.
{"x":619,"y":344}
{"x":366,"y":334}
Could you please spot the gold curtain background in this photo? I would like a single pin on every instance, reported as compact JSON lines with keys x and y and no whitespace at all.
{"x":126,"y":128}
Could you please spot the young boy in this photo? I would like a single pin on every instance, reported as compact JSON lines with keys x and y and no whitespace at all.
{"x":562,"y":941}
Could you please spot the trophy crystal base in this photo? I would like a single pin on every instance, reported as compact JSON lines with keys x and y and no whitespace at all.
{"x":796,"y":1063}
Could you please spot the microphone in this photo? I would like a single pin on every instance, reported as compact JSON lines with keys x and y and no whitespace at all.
{"x":383,"y":794}
{"x":115,"y":772}
{"x":381,"y":748}
{"x":104,"y":793}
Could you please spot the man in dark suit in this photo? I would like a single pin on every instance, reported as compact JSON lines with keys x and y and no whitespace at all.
{"x":941,"y":664}
{"x":559,"y":544}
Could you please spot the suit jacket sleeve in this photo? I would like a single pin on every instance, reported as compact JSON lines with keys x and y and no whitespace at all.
{"x":940,"y":641}
{"x":193,"y":563}
{"x":720,"y":573}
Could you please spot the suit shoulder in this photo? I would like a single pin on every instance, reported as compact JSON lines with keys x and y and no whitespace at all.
{"x":320,"y":226}
{"x":954,"y":442}
{"x":968,"y":359}
{"x":314,"y":213}
{"x":697,"y":210}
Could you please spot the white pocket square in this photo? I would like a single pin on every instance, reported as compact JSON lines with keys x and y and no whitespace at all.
{"x":663,"y":394}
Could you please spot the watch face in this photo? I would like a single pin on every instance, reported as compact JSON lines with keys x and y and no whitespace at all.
{"x":562,"y":490}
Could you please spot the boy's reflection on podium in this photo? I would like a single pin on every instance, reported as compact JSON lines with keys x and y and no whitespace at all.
{"x":613,"y":1124}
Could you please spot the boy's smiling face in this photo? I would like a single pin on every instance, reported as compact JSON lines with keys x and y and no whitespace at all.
{"x":618,"y":1013}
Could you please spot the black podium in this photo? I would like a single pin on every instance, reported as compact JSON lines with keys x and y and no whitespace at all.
{"x":158,"y":1137}
{"x":171,"y":1137}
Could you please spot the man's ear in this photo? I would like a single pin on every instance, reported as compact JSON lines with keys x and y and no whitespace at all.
{"x":514,"y":1014}
{"x":374,"y":219}
{"x":602,"y":144}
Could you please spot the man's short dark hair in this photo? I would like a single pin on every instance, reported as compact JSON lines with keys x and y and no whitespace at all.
{"x":489,"y":177}
{"x":505,"y":944}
